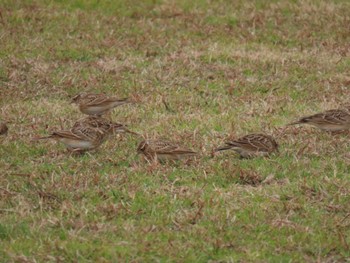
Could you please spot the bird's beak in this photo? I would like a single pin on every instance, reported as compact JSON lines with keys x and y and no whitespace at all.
{"x":73,"y":100}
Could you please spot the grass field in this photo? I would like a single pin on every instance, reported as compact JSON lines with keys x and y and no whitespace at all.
{"x":223,"y":68}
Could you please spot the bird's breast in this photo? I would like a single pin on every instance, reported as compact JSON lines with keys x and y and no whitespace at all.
{"x":77,"y":144}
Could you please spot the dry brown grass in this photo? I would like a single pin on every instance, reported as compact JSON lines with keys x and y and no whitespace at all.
{"x":200,"y":72}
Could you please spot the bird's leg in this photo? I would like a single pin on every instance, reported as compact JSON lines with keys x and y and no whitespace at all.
{"x":77,"y":151}
{"x":155,"y":159}
{"x":153,"y":163}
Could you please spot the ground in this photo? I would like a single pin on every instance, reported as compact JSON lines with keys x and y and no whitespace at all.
{"x":200,"y":71}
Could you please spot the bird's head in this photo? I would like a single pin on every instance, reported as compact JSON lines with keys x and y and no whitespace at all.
{"x":142,"y":146}
{"x":78,"y":97}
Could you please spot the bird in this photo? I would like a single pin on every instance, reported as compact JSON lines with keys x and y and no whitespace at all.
{"x":163,"y":150}
{"x":79,"y":138}
{"x":97,"y":104}
{"x":87,"y":133}
{"x":251,"y":145}
{"x":103,"y":125}
{"x":3,"y":128}
{"x":330,"y":120}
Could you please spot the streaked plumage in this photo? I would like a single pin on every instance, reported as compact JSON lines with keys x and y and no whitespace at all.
{"x":79,"y":138}
{"x":331,"y":120}
{"x":163,"y":150}
{"x":87,"y":133}
{"x":251,"y":145}
{"x":102,"y":124}
{"x":97,"y":104}
{"x":3,"y":129}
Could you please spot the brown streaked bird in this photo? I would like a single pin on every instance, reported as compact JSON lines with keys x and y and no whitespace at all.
{"x":79,"y":138}
{"x":331,"y":120}
{"x":251,"y":145}
{"x":3,"y":128}
{"x":97,"y":104}
{"x":163,"y":150}
{"x":103,"y":125}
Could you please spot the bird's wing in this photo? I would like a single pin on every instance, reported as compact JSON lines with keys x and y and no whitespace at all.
{"x":88,"y":133}
{"x":327,"y":117}
{"x":101,"y":99}
{"x":66,"y":134}
{"x":253,"y":142}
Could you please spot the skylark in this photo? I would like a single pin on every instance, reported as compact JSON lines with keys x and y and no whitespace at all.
{"x":103,"y":125}
{"x":3,"y":128}
{"x":79,"y":138}
{"x":97,"y":104}
{"x":87,"y":133}
{"x":251,"y":145}
{"x":161,"y":150}
{"x":331,"y":120}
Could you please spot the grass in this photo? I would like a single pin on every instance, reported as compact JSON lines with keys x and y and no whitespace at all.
{"x":224,"y":69}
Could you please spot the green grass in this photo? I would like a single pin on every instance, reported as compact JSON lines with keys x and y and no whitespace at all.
{"x":224,"y":69}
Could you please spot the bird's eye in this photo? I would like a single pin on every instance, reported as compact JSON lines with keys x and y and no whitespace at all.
{"x":142,"y":147}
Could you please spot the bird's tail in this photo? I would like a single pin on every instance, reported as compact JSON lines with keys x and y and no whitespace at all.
{"x":41,"y":138}
{"x":124,"y":100}
{"x":223,"y":148}
{"x":187,"y":152}
{"x":296,"y":122}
